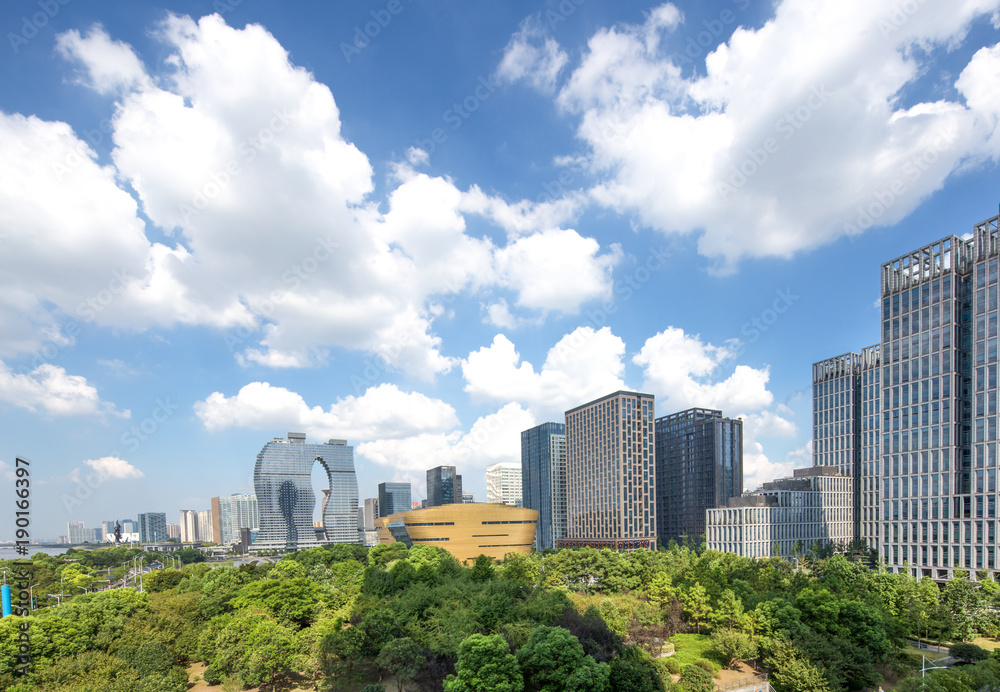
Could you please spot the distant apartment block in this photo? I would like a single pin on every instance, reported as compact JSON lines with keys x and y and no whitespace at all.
{"x":188,"y":526}
{"x":367,"y":516}
{"x":392,"y":498}
{"x":205,"y":526}
{"x":76,"y":532}
{"x":699,"y":465}
{"x":444,"y":486}
{"x":785,"y":517}
{"x":231,"y":513}
{"x":153,"y":527}
{"x":503,"y":484}
{"x":543,"y":480}
{"x":174,"y":531}
{"x":610,"y":472}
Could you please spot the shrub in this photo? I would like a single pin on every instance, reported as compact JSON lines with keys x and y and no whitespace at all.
{"x":707,"y":666}
{"x":673,"y":666}
{"x":970,"y":653}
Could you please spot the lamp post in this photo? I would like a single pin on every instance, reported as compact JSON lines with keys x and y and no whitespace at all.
{"x":83,"y":587}
{"x":31,"y":594}
{"x":924,"y":668}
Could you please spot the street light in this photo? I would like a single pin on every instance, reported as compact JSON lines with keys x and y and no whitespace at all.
{"x":924,"y":669}
{"x":83,"y":587}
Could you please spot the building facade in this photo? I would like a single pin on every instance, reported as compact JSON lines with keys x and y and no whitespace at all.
{"x":174,"y":531}
{"x":188,"y":526}
{"x":610,"y":473}
{"x":368,"y":514}
{"x":283,"y":484}
{"x":444,"y":486}
{"x":543,"y":480}
{"x":229,"y":514}
{"x":76,"y":532}
{"x":846,"y":420}
{"x":153,"y":527}
{"x":699,"y":465}
{"x":503,"y":484}
{"x":786,"y":517}
{"x":392,"y":498}
{"x":465,"y":530}
{"x":206,"y":526}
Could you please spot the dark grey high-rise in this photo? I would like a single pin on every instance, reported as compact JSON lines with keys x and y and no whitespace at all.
{"x":699,"y":465}
{"x":392,"y":498}
{"x":543,"y":480}
{"x":153,"y":527}
{"x":444,"y":486}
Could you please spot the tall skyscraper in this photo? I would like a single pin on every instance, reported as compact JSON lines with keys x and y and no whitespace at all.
{"x":503,"y":484}
{"x":368,"y":513}
{"x":610,"y":472}
{"x":927,"y":496}
{"x":174,"y":531}
{"x":699,"y":466}
{"x":392,"y":498}
{"x":543,"y":480}
{"x":444,"y":486}
{"x":283,"y":481}
{"x":153,"y":527}
{"x":189,"y":526}
{"x":846,"y":421}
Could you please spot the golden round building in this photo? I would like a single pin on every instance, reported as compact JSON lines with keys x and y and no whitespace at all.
{"x":465,"y":530}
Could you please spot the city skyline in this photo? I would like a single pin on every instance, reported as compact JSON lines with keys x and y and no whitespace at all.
{"x":424,"y":231}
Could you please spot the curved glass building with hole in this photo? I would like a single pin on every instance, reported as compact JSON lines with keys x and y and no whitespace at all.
{"x":282,"y":479}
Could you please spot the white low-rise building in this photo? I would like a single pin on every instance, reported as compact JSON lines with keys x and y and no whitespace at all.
{"x":813,"y":507}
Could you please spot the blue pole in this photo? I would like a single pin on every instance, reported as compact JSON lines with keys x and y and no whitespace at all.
{"x":5,"y":595}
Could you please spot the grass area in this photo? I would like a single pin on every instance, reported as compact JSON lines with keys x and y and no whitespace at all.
{"x":691,"y":647}
{"x":986,"y":643}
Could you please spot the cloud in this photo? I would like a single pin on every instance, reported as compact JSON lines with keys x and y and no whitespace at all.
{"x":113,"y":467}
{"x":222,"y":143}
{"x":678,"y":369}
{"x":492,"y":438}
{"x":50,"y":389}
{"x":533,"y":56}
{"x":581,"y":366}
{"x":382,"y":411}
{"x":729,"y":149}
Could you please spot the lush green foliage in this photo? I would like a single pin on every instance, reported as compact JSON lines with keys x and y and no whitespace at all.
{"x":343,"y":616}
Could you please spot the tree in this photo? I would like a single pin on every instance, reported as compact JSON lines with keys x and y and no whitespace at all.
{"x":733,"y":646}
{"x":553,"y":661}
{"x":960,"y":601}
{"x":729,"y":612}
{"x":635,"y":673}
{"x":403,"y":658}
{"x":695,"y":600}
{"x":661,"y":591}
{"x":485,"y":664}
{"x":970,"y":653}
{"x":791,"y":672}
{"x":695,"y":679}
{"x":482,"y":569}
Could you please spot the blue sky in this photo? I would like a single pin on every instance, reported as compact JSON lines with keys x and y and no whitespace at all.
{"x":427,"y":226}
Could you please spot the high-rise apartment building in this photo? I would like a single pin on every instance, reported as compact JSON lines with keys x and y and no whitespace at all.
{"x":699,"y":465}
{"x":785,"y":517}
{"x":77,"y":533}
{"x":392,"y":498}
{"x":189,"y":526}
{"x":543,"y":480}
{"x":846,"y":419}
{"x":444,"y":486}
{"x":205,"y":526}
{"x":153,"y":527}
{"x":174,"y":531}
{"x":283,"y":484}
{"x":229,"y":514}
{"x":610,"y":472}
{"x":503,"y":484}
{"x":368,"y":513}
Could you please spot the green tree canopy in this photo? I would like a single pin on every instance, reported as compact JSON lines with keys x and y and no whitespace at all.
{"x":485,"y":664}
